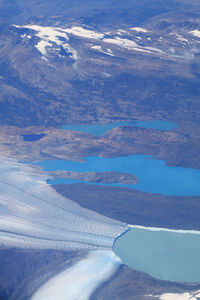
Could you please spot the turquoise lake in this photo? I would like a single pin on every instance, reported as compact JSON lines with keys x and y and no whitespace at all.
{"x":163,"y":255}
{"x":153,"y":174}
{"x":99,"y":129}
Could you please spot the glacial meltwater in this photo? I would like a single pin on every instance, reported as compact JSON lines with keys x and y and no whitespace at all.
{"x":167,"y":255}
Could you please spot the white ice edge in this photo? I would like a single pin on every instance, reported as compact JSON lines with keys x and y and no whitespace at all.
{"x":164,"y":229}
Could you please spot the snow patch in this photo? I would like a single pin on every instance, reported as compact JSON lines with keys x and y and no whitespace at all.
{"x":96,"y":48}
{"x":195,"y":33}
{"x":131,"y":45}
{"x":71,"y":51}
{"x":99,"y":49}
{"x":121,"y":42}
{"x":85,"y":33}
{"x":28,"y":36}
{"x":139,"y":29}
{"x":47,"y":33}
{"x":121,"y":32}
{"x":49,"y":37}
{"x":41,"y":46}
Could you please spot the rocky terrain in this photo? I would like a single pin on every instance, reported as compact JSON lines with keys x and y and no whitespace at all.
{"x":179,"y":147}
{"x":136,"y":207}
{"x":56,"y":72}
{"x":136,"y":285}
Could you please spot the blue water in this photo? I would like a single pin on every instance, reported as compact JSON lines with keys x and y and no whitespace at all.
{"x":157,"y":124}
{"x":164,"y":255}
{"x":32,"y":137}
{"x":153,"y":174}
{"x":99,"y":129}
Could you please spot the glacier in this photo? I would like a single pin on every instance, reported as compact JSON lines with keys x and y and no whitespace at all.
{"x":34,"y":216}
{"x":89,"y":272}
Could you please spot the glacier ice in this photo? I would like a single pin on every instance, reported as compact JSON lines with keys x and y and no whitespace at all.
{"x":89,"y":272}
{"x":34,"y":216}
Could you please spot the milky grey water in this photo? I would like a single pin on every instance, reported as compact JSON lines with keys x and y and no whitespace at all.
{"x":164,"y":255}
